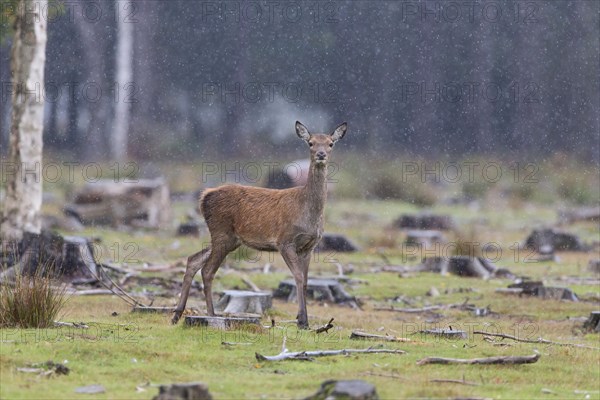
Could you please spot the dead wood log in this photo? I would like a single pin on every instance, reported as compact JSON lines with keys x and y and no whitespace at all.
{"x":143,"y":203}
{"x":325,"y":328}
{"x":308,"y":355}
{"x":358,"y":335}
{"x":538,"y":340}
{"x":446,"y":333}
{"x":488,"y":360}
{"x":250,"y":284}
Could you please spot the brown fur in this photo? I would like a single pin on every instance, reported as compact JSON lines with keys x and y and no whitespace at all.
{"x":289,"y":221}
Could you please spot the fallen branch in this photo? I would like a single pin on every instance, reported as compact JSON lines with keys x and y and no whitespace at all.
{"x":462,"y":382}
{"x":369,"y":336}
{"x":487,"y":360}
{"x":80,"y":325}
{"x":538,"y":340}
{"x":250,"y":284}
{"x":308,"y":355}
{"x":436,"y":307}
{"x":325,"y":328}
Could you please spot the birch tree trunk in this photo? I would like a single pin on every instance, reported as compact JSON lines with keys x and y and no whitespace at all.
{"x":124,"y":73}
{"x":24,"y":180}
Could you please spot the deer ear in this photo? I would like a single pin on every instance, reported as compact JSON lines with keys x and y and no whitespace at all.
{"x":302,"y":132}
{"x":339,"y":132}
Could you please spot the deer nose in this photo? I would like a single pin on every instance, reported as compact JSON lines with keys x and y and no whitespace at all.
{"x":321,"y":155}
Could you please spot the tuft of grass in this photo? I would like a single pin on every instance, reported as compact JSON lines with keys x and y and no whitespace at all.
{"x":31,"y":301}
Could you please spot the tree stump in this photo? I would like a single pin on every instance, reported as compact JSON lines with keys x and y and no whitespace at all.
{"x":426,"y":238}
{"x":244,"y":302}
{"x":140,"y":203}
{"x":461,"y":265}
{"x":555,"y":293}
{"x":68,"y":258}
{"x":425,"y":222}
{"x":346,"y":390}
{"x":183,"y":391}
{"x":546,"y":241}
{"x":593,"y":322}
{"x":337,"y":243}
{"x":224,"y":323}
{"x":328,"y":290}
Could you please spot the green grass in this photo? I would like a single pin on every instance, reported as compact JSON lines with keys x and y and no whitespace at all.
{"x":129,"y":350}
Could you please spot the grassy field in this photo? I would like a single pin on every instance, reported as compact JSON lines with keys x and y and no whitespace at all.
{"x":130,"y":353}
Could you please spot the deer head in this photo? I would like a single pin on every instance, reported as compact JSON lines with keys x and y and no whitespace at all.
{"x":320,"y":144}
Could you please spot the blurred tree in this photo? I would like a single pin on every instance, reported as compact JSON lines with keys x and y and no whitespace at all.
{"x":23,"y":171}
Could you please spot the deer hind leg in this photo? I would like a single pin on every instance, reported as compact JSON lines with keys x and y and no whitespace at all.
{"x":298,"y":265}
{"x":221,"y":247}
{"x":194,"y":263}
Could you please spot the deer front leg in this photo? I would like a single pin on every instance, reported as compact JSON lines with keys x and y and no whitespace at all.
{"x":296,"y":263}
{"x":194,"y":263}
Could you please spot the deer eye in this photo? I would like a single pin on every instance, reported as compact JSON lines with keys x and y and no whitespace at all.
{"x":310,"y":144}
{"x":331,"y":144}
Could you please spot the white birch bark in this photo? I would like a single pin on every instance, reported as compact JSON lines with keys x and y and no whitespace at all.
{"x":23,"y":199}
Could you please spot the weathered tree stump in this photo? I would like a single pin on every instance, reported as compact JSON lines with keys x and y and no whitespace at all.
{"x":593,"y":322}
{"x":68,"y":258}
{"x":328,"y":290}
{"x":426,"y":238}
{"x":244,"y":302}
{"x":425,"y":222}
{"x":141,"y":203}
{"x":346,"y":390}
{"x":478,"y":267}
{"x":224,"y":323}
{"x":546,"y":241}
{"x":183,"y":391}
{"x":555,"y":293}
{"x":335,"y":242}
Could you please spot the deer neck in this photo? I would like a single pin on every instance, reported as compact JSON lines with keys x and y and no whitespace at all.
{"x":316,"y":192}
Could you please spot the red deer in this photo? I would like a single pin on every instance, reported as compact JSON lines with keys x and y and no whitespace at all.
{"x":287,"y":220}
